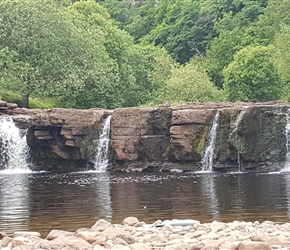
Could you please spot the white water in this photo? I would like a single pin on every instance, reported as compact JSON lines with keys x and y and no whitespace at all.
{"x":207,"y":160}
{"x":287,"y":134}
{"x":102,"y":157}
{"x":236,"y":126}
{"x":15,"y":152}
{"x":239,"y":119}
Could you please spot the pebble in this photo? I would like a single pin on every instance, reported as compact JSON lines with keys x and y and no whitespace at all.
{"x":135,"y":235}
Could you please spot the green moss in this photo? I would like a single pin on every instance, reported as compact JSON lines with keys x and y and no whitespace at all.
{"x":167,"y":150}
{"x":65,"y":127}
{"x":239,"y":145}
{"x":199,"y":142}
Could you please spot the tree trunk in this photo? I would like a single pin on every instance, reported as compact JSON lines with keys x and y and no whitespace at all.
{"x":25,"y":101}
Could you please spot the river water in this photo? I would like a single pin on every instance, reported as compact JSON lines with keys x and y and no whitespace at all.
{"x":44,"y":201}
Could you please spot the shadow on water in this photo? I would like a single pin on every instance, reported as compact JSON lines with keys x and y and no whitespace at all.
{"x":45,"y":201}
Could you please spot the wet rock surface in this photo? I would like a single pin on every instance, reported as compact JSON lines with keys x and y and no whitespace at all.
{"x":135,"y":235}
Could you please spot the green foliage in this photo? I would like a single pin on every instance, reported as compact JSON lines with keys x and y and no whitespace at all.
{"x":43,"y":103}
{"x":84,"y":54}
{"x":181,"y":29}
{"x":282,"y":52}
{"x":222,"y":50}
{"x":37,"y":52}
{"x":235,"y":33}
{"x":282,"y":59}
{"x":36,"y":103}
{"x":9,"y":96}
{"x":189,"y":83}
{"x":252,"y":76}
{"x":143,"y":20}
{"x":136,"y":65}
{"x":53,"y":55}
{"x":120,"y":11}
{"x":275,"y":14}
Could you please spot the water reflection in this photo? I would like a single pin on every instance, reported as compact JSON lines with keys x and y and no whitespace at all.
{"x":14,"y":201}
{"x":69,"y":201}
{"x":209,"y":194}
{"x":287,"y":190}
{"x":41,"y":202}
{"x":103,"y":197}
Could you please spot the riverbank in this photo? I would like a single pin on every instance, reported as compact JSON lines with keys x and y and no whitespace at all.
{"x":168,"y":235}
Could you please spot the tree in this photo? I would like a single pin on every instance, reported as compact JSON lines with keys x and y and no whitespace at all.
{"x":22,"y":28}
{"x":222,"y":50}
{"x":282,"y":59}
{"x":252,"y":76}
{"x":275,"y":14}
{"x":120,"y":11}
{"x":233,"y":24}
{"x":181,"y":29}
{"x":137,"y":65}
{"x":51,"y":55}
{"x":189,"y":83}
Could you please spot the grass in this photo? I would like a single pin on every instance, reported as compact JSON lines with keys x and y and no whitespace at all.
{"x":34,"y":102}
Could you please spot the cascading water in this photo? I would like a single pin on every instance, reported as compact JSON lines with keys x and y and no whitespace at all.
{"x":207,"y":160}
{"x":237,"y":142}
{"x":102,"y":157}
{"x":239,"y":119}
{"x":14,"y":152}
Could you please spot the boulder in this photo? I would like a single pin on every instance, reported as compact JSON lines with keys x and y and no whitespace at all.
{"x":53,"y":234}
{"x":130,"y":221}
{"x":101,"y":225}
{"x":72,"y":242}
{"x":253,"y":245}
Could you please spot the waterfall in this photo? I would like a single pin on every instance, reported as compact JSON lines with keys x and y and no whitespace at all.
{"x":237,"y":142}
{"x":14,"y":152}
{"x":287,"y":134}
{"x":239,"y":119}
{"x":209,"y":151}
{"x":102,"y":157}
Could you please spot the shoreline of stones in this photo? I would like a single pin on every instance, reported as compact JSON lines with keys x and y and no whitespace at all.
{"x":169,"y":235}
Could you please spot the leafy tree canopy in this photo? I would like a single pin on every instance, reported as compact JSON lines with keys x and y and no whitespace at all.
{"x":51,"y":55}
{"x":189,"y":83}
{"x":252,"y":76}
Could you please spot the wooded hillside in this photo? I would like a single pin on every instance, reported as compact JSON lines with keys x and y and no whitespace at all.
{"x":118,"y":53}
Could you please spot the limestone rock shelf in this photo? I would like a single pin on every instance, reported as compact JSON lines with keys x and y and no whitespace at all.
{"x":250,"y":136}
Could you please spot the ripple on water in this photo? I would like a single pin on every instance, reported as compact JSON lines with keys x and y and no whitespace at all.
{"x":67,"y":201}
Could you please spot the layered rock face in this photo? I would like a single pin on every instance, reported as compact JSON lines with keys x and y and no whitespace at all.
{"x":65,"y":139}
{"x":140,"y":137}
{"x":248,"y":136}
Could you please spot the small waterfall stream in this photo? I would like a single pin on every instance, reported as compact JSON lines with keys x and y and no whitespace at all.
{"x":207,"y":160}
{"x":15,"y":152}
{"x":238,"y":144}
{"x":102,"y":159}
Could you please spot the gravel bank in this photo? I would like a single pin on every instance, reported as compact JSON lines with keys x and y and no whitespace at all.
{"x":135,"y":235}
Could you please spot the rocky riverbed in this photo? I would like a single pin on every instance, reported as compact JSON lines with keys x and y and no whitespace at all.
{"x":171,"y":235}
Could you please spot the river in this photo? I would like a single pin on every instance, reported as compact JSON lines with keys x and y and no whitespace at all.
{"x":68,"y":201}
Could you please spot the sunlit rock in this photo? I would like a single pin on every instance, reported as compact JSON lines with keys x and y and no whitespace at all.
{"x":130,"y":221}
{"x":101,"y":225}
{"x":53,"y":234}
